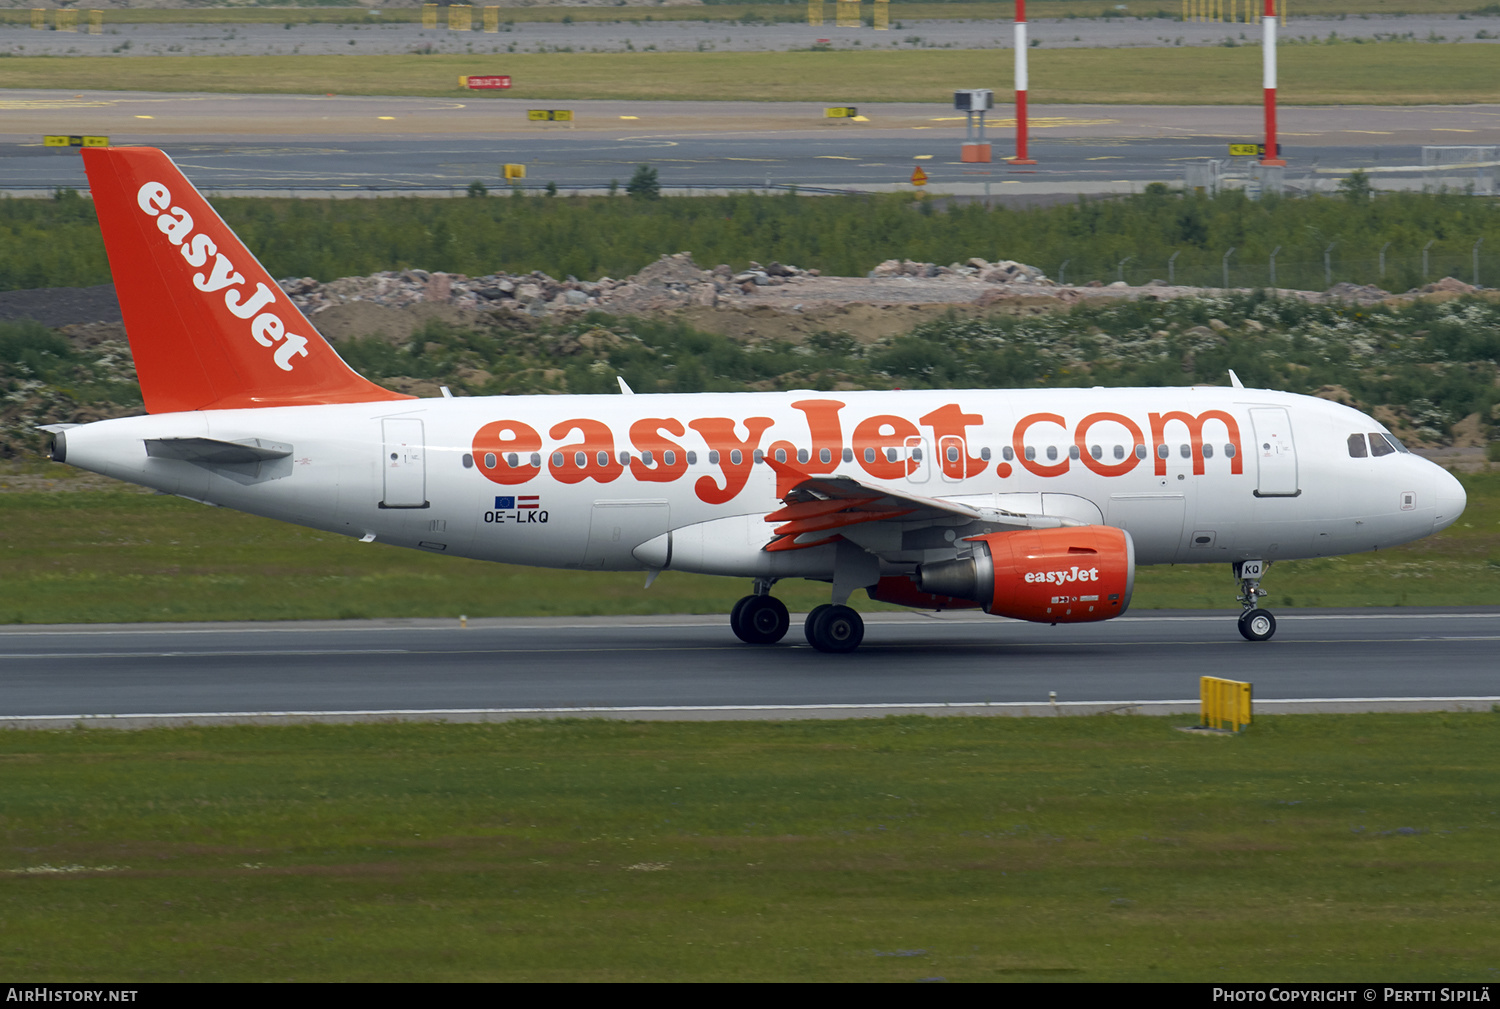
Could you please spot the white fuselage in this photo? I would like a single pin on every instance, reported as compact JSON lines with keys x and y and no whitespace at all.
{"x":1220,"y":474}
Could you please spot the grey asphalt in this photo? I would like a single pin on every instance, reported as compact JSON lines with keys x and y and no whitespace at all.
{"x":360,"y":145}
{"x":907,"y":660}
{"x":130,"y":40}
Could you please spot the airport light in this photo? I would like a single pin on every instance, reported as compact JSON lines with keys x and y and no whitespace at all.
{"x":1022,"y":158}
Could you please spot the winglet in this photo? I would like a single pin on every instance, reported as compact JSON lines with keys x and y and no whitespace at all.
{"x":208,"y":327}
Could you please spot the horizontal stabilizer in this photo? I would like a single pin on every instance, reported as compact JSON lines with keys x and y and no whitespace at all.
{"x":213,"y":452}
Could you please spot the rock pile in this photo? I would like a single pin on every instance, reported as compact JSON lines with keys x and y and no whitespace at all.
{"x":670,"y":282}
{"x":1006,"y":271}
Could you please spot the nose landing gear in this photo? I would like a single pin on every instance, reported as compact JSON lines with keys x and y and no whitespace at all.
{"x":1255,"y":623}
{"x":760,"y":619}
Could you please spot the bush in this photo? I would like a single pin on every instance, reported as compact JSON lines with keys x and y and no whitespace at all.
{"x":643,"y":185}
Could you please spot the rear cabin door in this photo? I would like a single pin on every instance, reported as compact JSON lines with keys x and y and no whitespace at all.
{"x":1275,"y":452}
{"x":405,"y":464}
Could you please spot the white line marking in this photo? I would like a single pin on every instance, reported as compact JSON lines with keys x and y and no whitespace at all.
{"x":709,"y":708}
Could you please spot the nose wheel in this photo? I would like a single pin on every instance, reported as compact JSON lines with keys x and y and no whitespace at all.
{"x":1255,"y":623}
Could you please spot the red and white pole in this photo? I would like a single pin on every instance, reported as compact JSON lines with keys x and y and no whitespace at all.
{"x":1022,"y":158}
{"x":1272,"y":155}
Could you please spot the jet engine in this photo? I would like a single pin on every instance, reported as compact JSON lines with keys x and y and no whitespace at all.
{"x":1071,"y":575}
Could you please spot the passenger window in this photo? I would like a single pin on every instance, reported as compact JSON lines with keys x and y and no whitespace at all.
{"x":510,"y":460}
{"x":713,"y":457}
{"x":825,"y":456}
{"x":952,"y":453}
{"x":1096,"y":451}
{"x":869,"y":455}
{"x":1072,"y":451}
{"x":802,"y":455}
{"x":781,"y":455}
{"x":1229,"y":451}
{"x":1140,"y":451}
{"x":669,"y":457}
{"x":468,"y":461}
{"x":916,"y":454}
{"x":646,"y":457}
{"x":1052,"y":452}
{"x":1163,"y":451}
{"x":759,"y":456}
{"x":1186,"y":452}
{"x":1379,"y":446}
{"x":557,"y":459}
{"x":692,"y":457}
{"x":536,"y":460}
{"x":1208,"y":451}
{"x":984,"y":454}
{"x":1008,"y":453}
{"x":1357,"y":446}
{"x":1119,"y":451}
{"x":1030,"y":452}
{"x":848,"y":455}
{"x":489,"y":460}
{"x":624,"y":458}
{"x":890,"y":455}
{"x":736,"y":457}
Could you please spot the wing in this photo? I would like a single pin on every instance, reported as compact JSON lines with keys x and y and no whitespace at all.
{"x":822,"y":509}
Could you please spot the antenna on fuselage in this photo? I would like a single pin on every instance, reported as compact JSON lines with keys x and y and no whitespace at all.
{"x":1234,"y":380}
{"x":624,"y":389}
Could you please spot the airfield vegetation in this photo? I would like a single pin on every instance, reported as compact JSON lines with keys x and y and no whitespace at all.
{"x":94,"y":556}
{"x":1309,"y":848}
{"x":793,"y":11}
{"x":1405,"y":73}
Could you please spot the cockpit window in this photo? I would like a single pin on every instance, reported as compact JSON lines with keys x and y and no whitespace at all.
{"x":1379,"y":445}
{"x":1357,"y":446}
{"x":1397,"y":442}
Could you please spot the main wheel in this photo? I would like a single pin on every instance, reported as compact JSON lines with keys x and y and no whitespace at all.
{"x":763,"y":620}
{"x":835,"y":629}
{"x":736,"y":623}
{"x":1257,"y":625}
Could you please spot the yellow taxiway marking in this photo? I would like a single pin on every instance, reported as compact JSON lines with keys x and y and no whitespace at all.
{"x":1106,"y":157}
{"x":755,"y":159}
{"x":836,"y":157}
{"x":1373,"y":133}
{"x":1451,"y":129}
{"x":145,"y":117}
{"x":922,"y":157}
{"x":630,"y":117}
{"x":385,"y":117}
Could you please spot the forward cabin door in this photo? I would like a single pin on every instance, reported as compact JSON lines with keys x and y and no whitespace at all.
{"x":405,"y":463}
{"x":1275,"y":451}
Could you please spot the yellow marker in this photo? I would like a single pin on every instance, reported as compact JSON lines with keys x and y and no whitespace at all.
{"x":922,"y":157}
{"x":859,"y":119}
{"x":1105,"y":157}
{"x":145,"y":117}
{"x":512,"y":172}
{"x":630,"y":117}
{"x":385,"y":117}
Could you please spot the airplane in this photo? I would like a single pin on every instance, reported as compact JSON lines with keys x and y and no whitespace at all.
{"x":1035,"y":504}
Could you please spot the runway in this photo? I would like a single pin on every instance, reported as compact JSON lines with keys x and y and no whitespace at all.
{"x":317,"y":145}
{"x":693,"y":668}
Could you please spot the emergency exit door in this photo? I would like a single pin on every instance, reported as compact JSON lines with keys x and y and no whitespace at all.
{"x":404,"y":463}
{"x":1275,"y":452}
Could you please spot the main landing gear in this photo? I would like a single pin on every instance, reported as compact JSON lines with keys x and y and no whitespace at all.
{"x":1255,"y":623}
{"x":761,"y":619}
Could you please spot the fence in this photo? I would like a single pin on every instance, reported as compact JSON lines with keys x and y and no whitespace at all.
{"x":1301,"y":268}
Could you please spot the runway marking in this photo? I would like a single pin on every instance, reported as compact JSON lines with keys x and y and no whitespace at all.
{"x":882,"y":706}
{"x":1450,"y":129}
{"x":1105,"y":157}
{"x":693,"y":620}
{"x":921,"y":157}
{"x":1376,"y":133}
{"x":835,"y":157}
{"x":949,"y":645}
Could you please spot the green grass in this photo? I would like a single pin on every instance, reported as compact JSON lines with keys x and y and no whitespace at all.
{"x":1310,"y":848}
{"x":1388,"y":73}
{"x":124,"y":556}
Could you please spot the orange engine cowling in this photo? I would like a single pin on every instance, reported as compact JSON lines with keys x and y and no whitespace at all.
{"x":1057,"y":576}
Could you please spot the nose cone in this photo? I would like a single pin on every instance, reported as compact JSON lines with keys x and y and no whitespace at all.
{"x":1451,"y":500}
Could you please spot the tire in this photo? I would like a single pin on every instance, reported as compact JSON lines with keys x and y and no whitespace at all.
{"x":809,"y":626}
{"x":1257,"y":625}
{"x":737,"y":624}
{"x":763,"y":620}
{"x":837,"y":629}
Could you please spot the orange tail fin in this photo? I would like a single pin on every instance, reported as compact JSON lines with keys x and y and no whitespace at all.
{"x":209,"y":328}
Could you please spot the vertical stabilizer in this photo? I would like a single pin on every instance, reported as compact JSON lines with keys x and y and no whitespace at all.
{"x":209,"y":328}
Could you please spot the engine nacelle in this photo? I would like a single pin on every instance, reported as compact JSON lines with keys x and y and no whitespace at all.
{"x":1070,"y":575}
